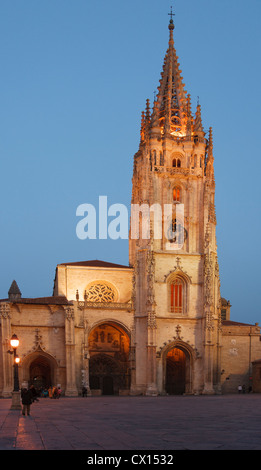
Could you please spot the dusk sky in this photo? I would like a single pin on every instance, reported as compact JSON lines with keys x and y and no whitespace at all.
{"x":75,"y":76}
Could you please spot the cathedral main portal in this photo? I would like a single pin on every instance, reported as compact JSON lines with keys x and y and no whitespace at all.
{"x":109,"y":359}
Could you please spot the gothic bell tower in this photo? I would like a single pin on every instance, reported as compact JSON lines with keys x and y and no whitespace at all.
{"x":176,"y":289}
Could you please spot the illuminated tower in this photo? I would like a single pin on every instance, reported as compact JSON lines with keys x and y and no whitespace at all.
{"x":176,"y":291}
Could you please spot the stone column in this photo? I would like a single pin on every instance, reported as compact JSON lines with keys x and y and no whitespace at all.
{"x":209,"y":314}
{"x":86,"y":359}
{"x":152,"y":389}
{"x":7,"y":359}
{"x":71,"y":389}
{"x":208,"y":365}
{"x":132,"y":362}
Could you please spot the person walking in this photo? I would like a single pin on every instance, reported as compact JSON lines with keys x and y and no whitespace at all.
{"x":27,"y":399}
{"x":34,"y":393}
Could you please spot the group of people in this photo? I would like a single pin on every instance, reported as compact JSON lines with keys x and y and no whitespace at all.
{"x":242,"y":389}
{"x":30,"y":395}
{"x":51,"y":392}
{"x":54,"y":392}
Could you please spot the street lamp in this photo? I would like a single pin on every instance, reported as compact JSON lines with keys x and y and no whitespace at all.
{"x":14,"y":341}
{"x":16,"y":405}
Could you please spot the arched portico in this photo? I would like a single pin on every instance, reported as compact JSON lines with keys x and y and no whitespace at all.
{"x":109,"y":349}
{"x":40,"y":369}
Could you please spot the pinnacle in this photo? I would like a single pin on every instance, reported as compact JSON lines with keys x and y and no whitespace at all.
{"x":14,"y":291}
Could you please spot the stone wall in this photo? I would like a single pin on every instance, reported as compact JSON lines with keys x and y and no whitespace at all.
{"x":240,"y":347}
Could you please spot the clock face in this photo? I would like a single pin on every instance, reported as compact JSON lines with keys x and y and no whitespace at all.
{"x":176,"y":232}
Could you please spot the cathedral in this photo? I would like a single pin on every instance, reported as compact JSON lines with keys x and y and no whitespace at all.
{"x":158,"y":326}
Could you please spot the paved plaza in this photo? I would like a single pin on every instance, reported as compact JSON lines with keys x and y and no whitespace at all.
{"x":134,"y":423}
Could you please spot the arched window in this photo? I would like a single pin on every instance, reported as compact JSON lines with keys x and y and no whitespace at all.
{"x":176,"y":296}
{"x":178,"y":293}
{"x":176,"y":162}
{"x":176,"y":194}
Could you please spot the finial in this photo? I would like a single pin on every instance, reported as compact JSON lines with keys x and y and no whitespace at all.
{"x":171,"y":22}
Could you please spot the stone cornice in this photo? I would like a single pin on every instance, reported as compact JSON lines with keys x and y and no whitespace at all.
{"x":105,"y":305}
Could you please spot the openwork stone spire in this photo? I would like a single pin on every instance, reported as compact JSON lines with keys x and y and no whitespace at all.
{"x":171,"y":115}
{"x":171,"y":101}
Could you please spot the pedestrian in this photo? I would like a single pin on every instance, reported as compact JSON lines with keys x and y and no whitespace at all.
{"x":27,"y":400}
{"x":239,"y":388}
{"x":34,"y":393}
{"x":50,"y":392}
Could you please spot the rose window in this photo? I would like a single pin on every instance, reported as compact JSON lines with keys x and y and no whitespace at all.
{"x":100,"y":293}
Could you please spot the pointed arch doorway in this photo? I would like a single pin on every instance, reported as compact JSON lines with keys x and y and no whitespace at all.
{"x":41,"y":370}
{"x":106,"y":374}
{"x":40,"y":373}
{"x":109,"y":369}
{"x":178,"y":367}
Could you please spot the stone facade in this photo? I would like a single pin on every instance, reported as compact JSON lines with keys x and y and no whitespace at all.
{"x":159,"y":325}
{"x":41,"y":326}
{"x":240,"y":352}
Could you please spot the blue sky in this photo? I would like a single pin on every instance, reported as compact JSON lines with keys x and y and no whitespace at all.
{"x":75,"y":76}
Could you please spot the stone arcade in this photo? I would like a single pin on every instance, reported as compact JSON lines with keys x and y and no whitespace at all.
{"x":159,"y":325}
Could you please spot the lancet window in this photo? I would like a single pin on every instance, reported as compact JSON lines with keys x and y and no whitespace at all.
{"x":176,"y":296}
{"x":176,"y":162}
{"x":176,"y":194}
{"x":178,"y":292}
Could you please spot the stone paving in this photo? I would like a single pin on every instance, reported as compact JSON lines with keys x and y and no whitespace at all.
{"x":231,"y":422}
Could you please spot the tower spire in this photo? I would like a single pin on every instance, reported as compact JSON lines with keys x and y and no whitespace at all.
{"x":171,"y":98}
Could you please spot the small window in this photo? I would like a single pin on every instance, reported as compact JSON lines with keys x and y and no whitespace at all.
{"x":176,"y":195}
{"x":176,"y":162}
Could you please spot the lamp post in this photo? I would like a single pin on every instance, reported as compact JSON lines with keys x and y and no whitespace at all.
{"x":16,"y":405}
